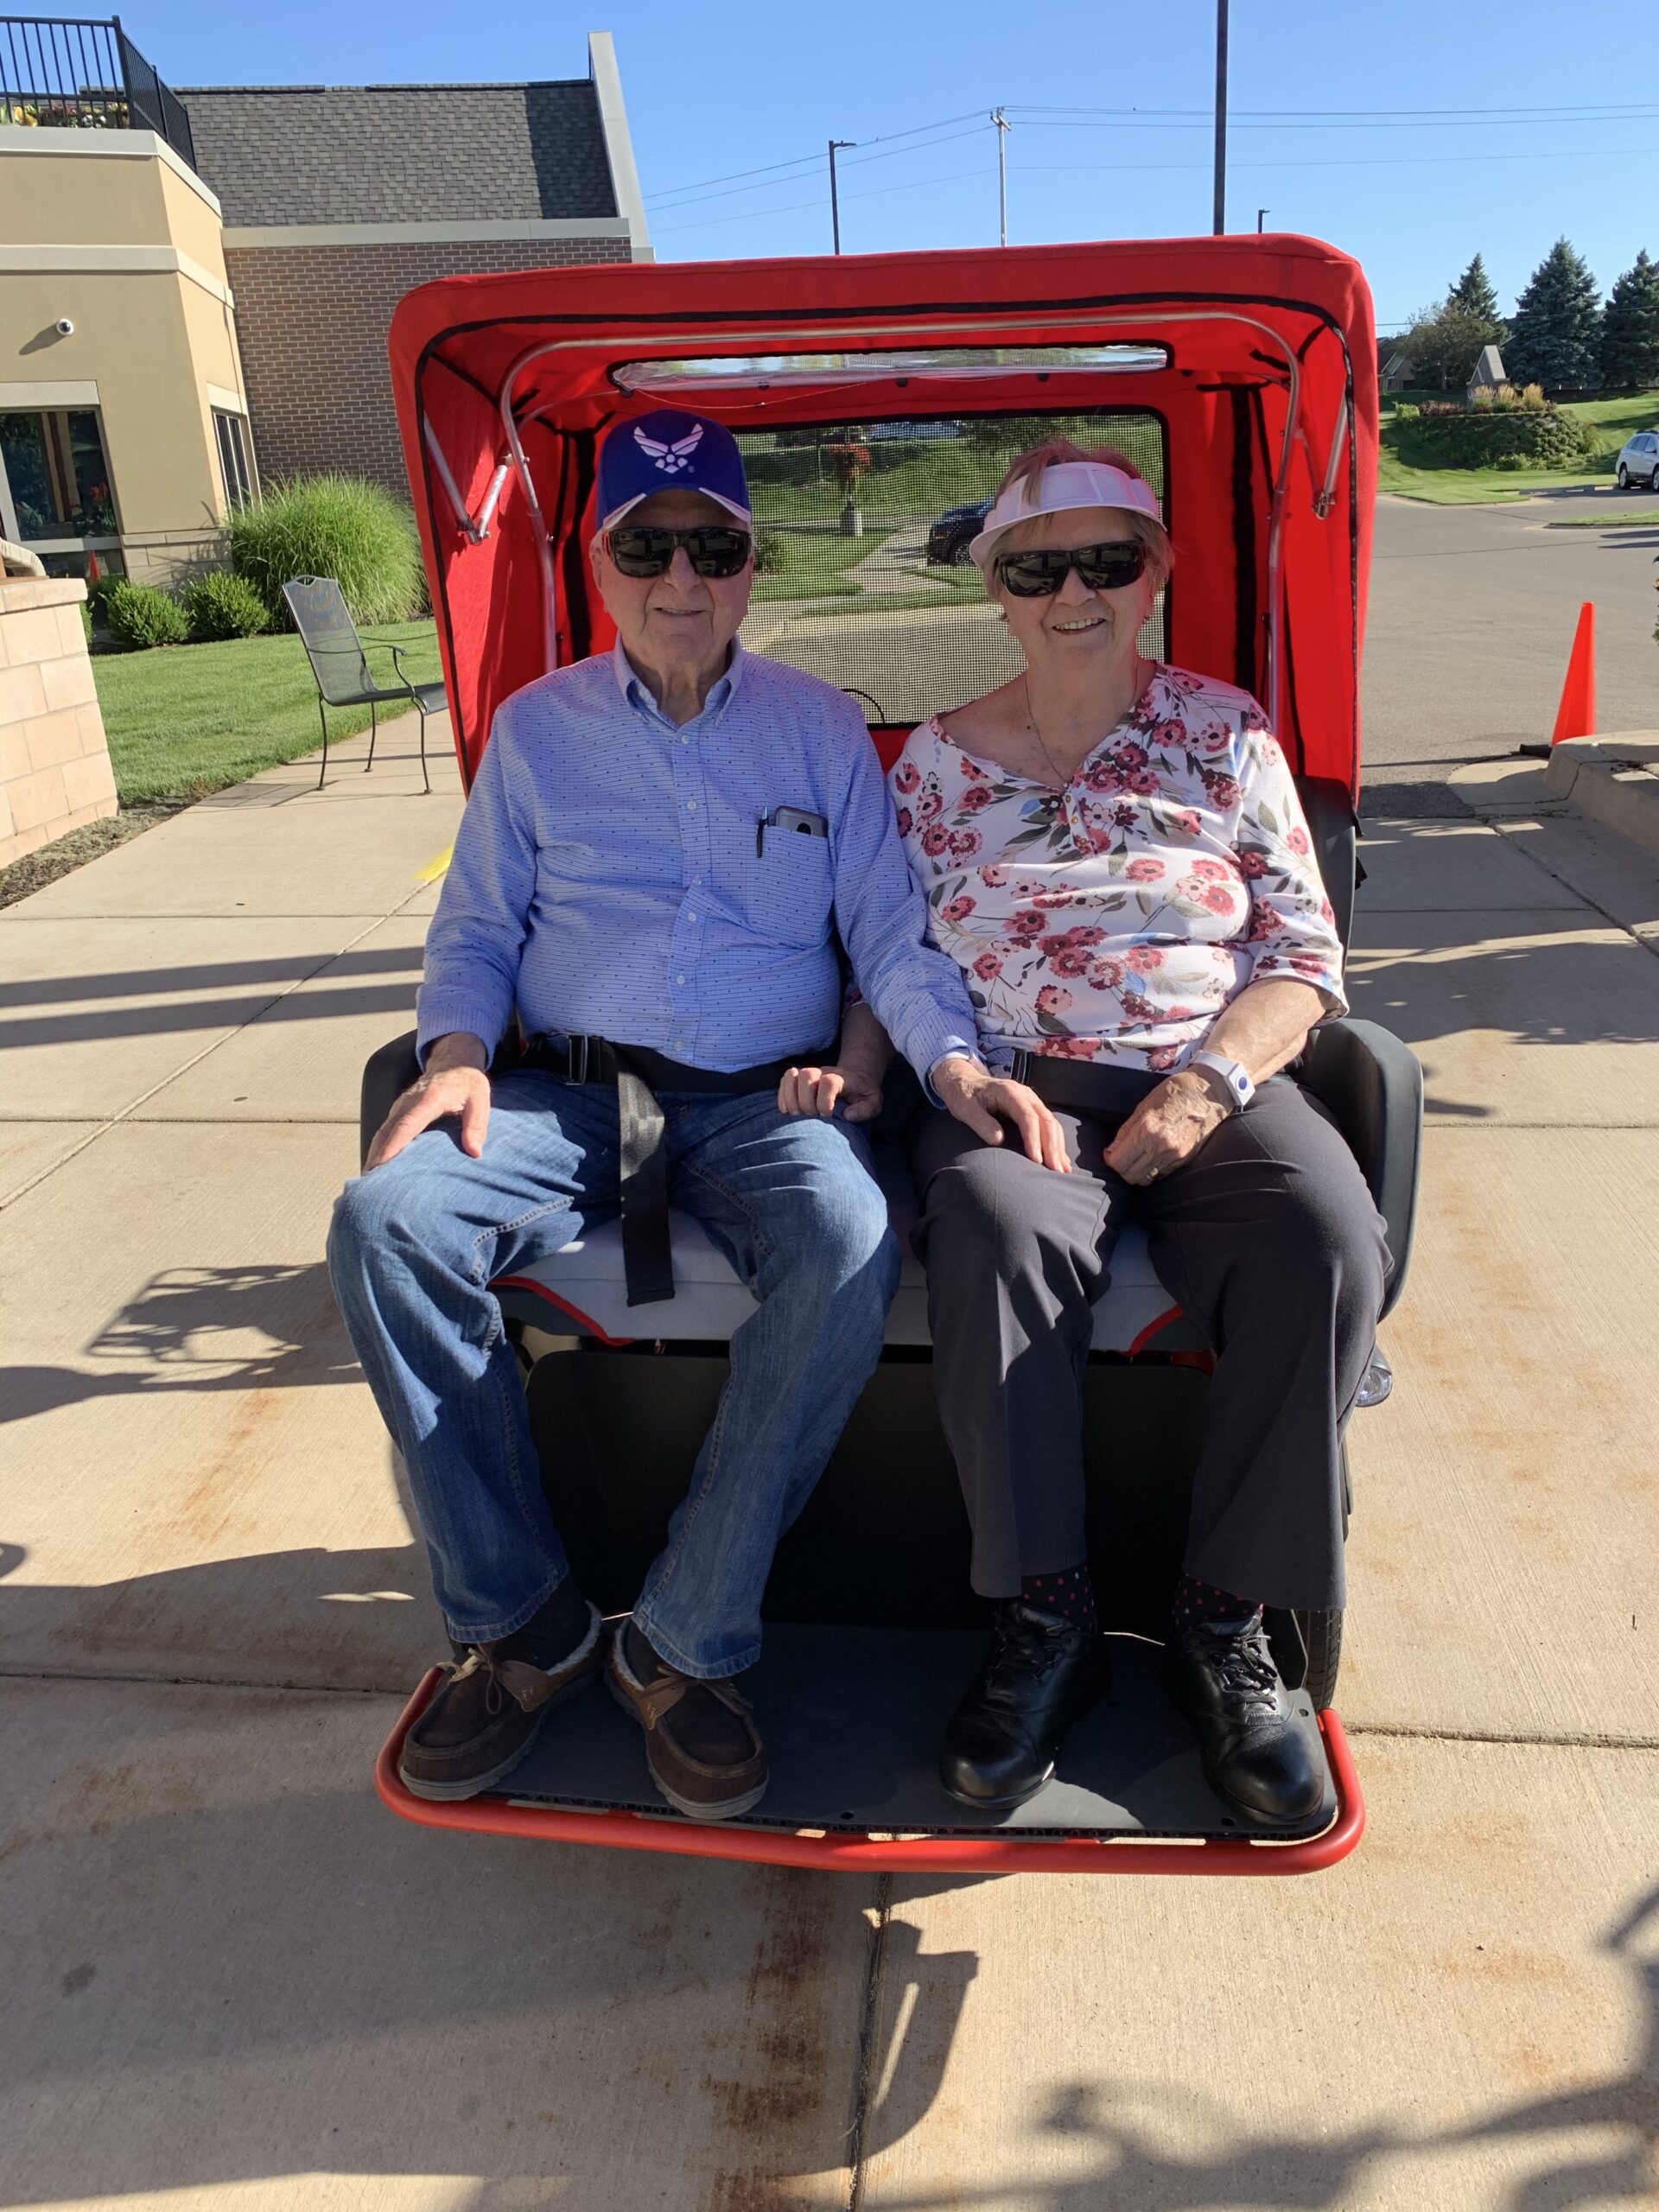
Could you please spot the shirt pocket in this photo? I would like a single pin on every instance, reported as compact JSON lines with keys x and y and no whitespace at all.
{"x":790,"y":887}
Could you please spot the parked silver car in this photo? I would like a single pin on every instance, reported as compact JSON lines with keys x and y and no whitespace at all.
{"x":1638,"y":460}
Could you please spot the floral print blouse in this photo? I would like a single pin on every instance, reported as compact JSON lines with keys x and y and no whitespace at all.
{"x":1114,"y":919}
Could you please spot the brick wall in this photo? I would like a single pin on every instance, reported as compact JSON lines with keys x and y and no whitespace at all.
{"x":312,"y":322}
{"x":55,"y":763}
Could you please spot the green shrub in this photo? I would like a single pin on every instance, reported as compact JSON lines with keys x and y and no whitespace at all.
{"x":331,"y":526}
{"x":768,"y":550}
{"x":138,"y":615}
{"x":223,"y":605}
{"x":1459,"y":437}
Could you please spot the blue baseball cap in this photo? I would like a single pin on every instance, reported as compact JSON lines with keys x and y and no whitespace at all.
{"x":671,"y":451}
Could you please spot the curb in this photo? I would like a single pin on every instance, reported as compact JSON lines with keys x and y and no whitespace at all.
{"x":1614,"y":779}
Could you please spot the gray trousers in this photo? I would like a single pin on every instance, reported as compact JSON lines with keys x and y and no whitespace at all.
{"x":1268,"y":1239}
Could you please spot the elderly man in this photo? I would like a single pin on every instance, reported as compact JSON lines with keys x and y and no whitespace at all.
{"x":659,"y":848}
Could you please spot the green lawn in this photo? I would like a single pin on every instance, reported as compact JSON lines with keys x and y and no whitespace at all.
{"x":1620,"y":521}
{"x":183,"y":720}
{"x":1613,"y":420}
{"x":810,"y":565}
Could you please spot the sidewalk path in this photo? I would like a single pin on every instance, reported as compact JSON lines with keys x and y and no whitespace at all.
{"x":234,"y":1983}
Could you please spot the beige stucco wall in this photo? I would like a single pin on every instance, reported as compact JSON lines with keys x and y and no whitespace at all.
{"x":55,"y":763}
{"x":107,"y":229}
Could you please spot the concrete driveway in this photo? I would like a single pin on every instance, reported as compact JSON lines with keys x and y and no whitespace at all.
{"x":1472,"y":611}
{"x":233,"y":1981}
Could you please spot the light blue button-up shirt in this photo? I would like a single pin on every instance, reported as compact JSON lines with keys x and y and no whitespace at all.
{"x":616,"y":875}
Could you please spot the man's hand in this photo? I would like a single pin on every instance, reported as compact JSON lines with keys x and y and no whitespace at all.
{"x":453,"y":1080}
{"x":820,"y":1091}
{"x":983,"y":1102}
{"x":1167,"y":1128}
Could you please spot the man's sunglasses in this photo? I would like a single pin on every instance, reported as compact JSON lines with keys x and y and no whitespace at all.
{"x":1039,"y":574}
{"x":640,"y":549}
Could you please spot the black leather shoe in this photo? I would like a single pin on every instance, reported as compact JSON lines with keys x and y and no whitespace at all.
{"x":1042,"y":1675}
{"x":1259,"y":1752}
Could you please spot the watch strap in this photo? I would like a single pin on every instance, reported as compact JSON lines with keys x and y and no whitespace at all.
{"x":1235,"y":1077}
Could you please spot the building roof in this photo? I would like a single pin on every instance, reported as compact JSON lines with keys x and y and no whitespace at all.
{"x":298,"y":154}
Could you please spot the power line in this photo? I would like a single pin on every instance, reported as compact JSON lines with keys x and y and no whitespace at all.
{"x":697,"y":200}
{"x":771,"y":168}
{"x":1611,"y":108}
{"x":1464,"y":123}
{"x":1362,"y":162}
{"x":874,"y":191}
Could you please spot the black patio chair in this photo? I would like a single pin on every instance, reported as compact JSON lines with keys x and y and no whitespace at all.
{"x":340,"y":665}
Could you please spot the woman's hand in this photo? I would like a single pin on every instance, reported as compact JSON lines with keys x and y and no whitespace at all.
{"x":1167,"y":1128}
{"x":982,"y":1101}
{"x":847,"y":1085}
{"x":454,"y":1081}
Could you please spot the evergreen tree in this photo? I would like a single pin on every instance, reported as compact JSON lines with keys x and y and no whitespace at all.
{"x":1443,"y":345}
{"x":1629,"y":328}
{"x":1473,"y":291}
{"x":1555,"y":339}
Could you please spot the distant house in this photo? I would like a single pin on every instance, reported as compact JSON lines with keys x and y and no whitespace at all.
{"x":1489,"y":372}
{"x":1398,"y":371}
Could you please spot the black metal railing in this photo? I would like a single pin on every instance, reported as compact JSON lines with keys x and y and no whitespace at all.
{"x":63,"y":72}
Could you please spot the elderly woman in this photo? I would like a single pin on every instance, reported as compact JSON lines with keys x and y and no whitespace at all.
{"x":1114,"y":852}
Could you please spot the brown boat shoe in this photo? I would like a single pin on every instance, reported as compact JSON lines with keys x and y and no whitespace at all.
{"x":487,"y":1712}
{"x":683,"y":1718}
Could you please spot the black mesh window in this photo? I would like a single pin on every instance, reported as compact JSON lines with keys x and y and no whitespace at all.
{"x":861,"y":536}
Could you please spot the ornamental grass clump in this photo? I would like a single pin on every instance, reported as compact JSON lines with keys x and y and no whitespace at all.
{"x":221,"y":606}
{"x":335,"y":526}
{"x":138,"y":615}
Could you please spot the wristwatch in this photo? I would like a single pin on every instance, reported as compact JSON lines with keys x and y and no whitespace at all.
{"x":1235,"y":1075}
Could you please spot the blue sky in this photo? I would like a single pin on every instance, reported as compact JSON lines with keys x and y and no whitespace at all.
{"x":1330,"y":103}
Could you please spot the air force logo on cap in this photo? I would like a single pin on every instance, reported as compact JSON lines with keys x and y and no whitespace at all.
{"x":668,"y":449}
{"x":672,"y":457}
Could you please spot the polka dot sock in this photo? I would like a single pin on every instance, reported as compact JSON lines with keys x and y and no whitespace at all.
{"x":1067,"y":1592}
{"x":1197,"y":1601}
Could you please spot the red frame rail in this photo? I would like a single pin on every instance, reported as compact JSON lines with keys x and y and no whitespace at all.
{"x":987,"y":1854}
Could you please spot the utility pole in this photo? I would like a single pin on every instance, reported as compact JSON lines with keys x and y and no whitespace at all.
{"x":1003,"y":127}
{"x":836,"y":144}
{"x":1260,"y":213}
{"x":1220,"y":224}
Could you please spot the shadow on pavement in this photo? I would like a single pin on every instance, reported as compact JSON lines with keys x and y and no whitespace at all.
{"x":1126,"y":2123}
{"x":193,"y":1329}
{"x":231,"y":1965}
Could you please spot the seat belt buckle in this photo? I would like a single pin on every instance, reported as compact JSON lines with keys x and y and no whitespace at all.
{"x":1021,"y":1072}
{"x":576,"y":1058}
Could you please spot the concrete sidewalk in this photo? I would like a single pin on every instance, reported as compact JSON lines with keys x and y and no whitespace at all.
{"x":234,"y":1981}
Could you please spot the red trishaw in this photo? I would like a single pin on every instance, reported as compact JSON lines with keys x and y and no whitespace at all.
{"x":870,"y":396}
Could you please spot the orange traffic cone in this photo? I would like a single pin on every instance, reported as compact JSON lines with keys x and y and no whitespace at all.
{"x":1576,"y":715}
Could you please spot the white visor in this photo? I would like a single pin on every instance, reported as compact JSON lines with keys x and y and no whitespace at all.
{"x":1063,"y":485}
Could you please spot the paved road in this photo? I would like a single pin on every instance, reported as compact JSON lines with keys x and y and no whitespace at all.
{"x":1471,"y":616}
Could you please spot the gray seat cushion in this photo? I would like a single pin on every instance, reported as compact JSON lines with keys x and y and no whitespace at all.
{"x":580,"y":1291}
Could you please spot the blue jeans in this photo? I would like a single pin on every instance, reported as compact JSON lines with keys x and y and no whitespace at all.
{"x":415,"y":1244}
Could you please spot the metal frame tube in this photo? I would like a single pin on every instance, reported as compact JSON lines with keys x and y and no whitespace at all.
{"x":774,"y":340}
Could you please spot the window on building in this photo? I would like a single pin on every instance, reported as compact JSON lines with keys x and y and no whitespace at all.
{"x":56,"y":474}
{"x":235,"y":467}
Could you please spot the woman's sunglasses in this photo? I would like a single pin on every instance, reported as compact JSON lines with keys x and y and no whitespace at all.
{"x":638,"y":550}
{"x":1103,"y":568}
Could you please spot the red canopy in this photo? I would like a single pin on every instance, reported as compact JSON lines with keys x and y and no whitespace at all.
{"x":1267,"y":388}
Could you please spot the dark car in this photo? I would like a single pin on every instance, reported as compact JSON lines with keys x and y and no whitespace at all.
{"x":948,"y":538}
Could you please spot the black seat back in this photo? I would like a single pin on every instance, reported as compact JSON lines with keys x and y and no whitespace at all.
{"x":1335,"y":831}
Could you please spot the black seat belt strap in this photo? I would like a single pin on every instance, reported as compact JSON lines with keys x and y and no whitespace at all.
{"x":647,"y":1255}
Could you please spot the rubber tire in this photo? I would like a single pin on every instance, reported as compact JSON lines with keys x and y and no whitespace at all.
{"x":960,"y":557}
{"x":1624,"y":478}
{"x":1322,"y":1634}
